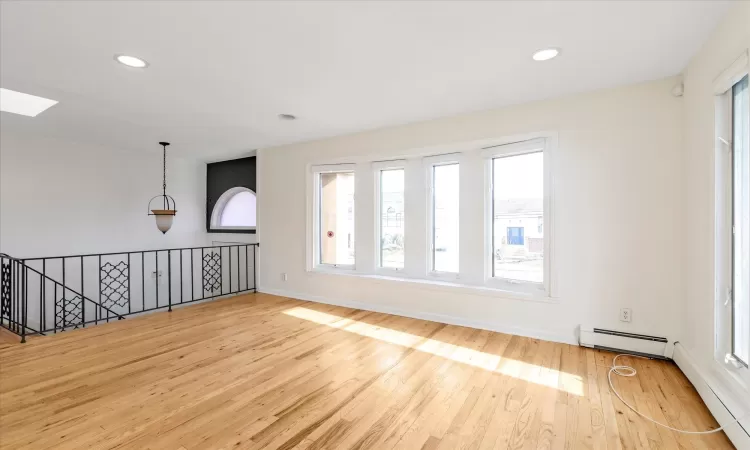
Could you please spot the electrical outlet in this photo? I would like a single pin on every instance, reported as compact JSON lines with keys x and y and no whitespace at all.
{"x":626,"y":315}
{"x":283,"y":276}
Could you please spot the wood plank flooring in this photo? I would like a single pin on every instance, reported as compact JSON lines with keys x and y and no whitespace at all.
{"x":7,"y":338}
{"x":265,"y":372}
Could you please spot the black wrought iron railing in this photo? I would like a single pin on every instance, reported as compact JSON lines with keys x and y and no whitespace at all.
{"x":55,"y":294}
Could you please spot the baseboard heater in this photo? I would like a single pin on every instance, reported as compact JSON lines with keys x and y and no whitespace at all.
{"x":623,"y":342}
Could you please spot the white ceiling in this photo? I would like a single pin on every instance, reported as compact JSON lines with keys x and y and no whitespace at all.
{"x":221,"y":71}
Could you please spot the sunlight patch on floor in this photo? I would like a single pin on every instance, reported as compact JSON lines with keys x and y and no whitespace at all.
{"x":532,"y":373}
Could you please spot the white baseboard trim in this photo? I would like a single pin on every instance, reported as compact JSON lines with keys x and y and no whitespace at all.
{"x":440,"y":318}
{"x":715,"y":399}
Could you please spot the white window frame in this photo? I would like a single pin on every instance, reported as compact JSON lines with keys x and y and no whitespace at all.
{"x":429,"y":163}
{"x":723,"y":221}
{"x":506,"y":150}
{"x":473,"y":231}
{"x":316,"y":172}
{"x":377,"y":168}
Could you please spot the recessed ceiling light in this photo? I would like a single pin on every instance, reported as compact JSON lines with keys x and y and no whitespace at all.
{"x":131,"y":61}
{"x":545,"y":54}
{"x":287,"y":116}
{"x":24,"y":104}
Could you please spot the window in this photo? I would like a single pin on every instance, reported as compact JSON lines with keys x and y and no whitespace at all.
{"x":444,"y":217}
{"x":478,"y":218}
{"x":234,"y":210}
{"x":517,"y":212}
{"x":390,"y":213}
{"x":334,"y":204}
{"x":741,"y":222}
{"x":239,"y":210}
{"x":517,"y":200}
{"x":515,"y":236}
{"x":732,"y":220}
{"x":230,"y":196}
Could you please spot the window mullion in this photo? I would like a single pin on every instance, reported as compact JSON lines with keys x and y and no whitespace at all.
{"x":471,"y":227}
{"x":416,"y":220}
{"x":364,"y":226}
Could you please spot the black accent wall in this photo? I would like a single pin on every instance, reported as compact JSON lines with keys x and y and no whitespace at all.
{"x":222,"y":176}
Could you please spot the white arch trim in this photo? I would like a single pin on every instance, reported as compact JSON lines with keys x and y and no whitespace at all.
{"x":218,"y":211}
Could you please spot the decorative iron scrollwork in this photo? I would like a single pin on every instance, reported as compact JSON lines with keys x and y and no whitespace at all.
{"x":212,"y":272}
{"x":115,"y":284}
{"x":5,"y":291}
{"x":69,"y":312}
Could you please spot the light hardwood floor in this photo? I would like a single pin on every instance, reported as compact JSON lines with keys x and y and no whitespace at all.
{"x":260,"y":371}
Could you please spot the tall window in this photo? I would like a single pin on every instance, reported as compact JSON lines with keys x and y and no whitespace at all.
{"x":517,"y":212}
{"x":741,"y":222}
{"x":391,"y":217}
{"x":335,"y":218}
{"x":445,"y":215}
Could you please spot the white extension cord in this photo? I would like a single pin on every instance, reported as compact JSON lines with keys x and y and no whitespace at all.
{"x":628,"y":371}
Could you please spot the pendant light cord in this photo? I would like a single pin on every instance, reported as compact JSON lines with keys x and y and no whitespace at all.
{"x":164,"y":174}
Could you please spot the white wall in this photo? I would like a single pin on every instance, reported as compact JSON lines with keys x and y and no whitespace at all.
{"x":60,"y":198}
{"x":617,"y":213}
{"x":730,"y":39}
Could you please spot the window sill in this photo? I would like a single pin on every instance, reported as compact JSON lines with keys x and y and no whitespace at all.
{"x":730,"y":387}
{"x":439,"y":285}
{"x":231,"y":230}
{"x":734,"y":376}
{"x":389,"y":272}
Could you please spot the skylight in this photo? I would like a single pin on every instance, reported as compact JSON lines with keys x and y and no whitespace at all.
{"x":24,"y":104}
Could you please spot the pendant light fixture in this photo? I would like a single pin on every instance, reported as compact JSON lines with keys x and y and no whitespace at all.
{"x":165,"y":216}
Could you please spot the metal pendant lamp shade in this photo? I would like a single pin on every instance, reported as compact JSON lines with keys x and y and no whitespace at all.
{"x":165,"y":208}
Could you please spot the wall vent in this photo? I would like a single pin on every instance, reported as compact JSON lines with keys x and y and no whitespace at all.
{"x":624,"y":342}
